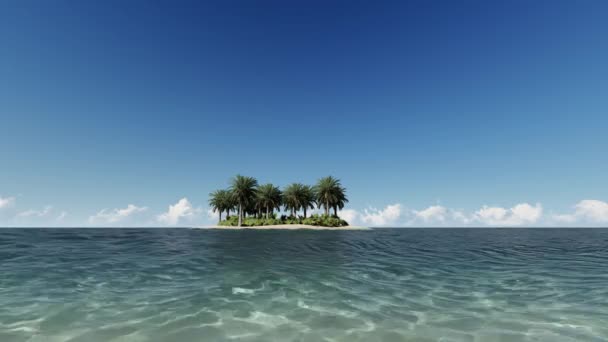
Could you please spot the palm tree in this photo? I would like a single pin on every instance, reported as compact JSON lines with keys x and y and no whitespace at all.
{"x":298,"y":196}
{"x":243,"y":191}
{"x":291,"y":198}
{"x":341,"y":199}
{"x":268,"y":197}
{"x":230,"y":203}
{"x":277,"y":200}
{"x":217,"y":201}
{"x":308,"y":199}
{"x":220,"y":201}
{"x":327,"y":192}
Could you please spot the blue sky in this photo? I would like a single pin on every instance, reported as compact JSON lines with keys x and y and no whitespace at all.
{"x":430,"y":112}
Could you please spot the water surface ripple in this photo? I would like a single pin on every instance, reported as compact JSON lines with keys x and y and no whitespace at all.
{"x":89,"y":285}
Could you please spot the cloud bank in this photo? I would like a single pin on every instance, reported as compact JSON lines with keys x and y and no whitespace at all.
{"x":107,"y":216}
{"x":62,"y":215}
{"x":434,"y":213}
{"x":586,"y":211}
{"x":386,"y":216}
{"x":522,"y":214}
{"x":182,"y":210}
{"x":36,"y":213}
{"x":6,"y":202}
{"x":372,"y":216}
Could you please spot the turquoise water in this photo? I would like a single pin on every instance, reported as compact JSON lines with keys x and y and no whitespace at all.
{"x":382,"y":285}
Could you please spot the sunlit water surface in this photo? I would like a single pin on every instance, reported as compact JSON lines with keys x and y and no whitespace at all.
{"x":185,"y":285}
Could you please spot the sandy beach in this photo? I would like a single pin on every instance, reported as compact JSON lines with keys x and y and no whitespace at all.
{"x":286,"y":226}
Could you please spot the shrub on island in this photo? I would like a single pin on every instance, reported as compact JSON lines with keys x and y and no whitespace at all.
{"x":313,"y":220}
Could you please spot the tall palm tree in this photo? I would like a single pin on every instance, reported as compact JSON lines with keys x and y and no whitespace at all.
{"x":308,"y":198}
{"x":326,"y":191}
{"x":220,"y":201}
{"x":230,"y":203}
{"x":268,"y":197}
{"x":341,"y":199}
{"x":277,"y":200}
{"x":298,"y":196}
{"x":243,"y":190}
{"x":291,"y":198}
{"x":217,"y":201}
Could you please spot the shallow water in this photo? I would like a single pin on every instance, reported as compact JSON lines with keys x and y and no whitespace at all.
{"x":94,"y":285}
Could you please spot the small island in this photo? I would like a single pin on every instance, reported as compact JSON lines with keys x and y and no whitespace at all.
{"x":258,"y":205}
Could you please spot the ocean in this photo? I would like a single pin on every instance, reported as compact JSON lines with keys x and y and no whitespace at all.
{"x":181,"y":285}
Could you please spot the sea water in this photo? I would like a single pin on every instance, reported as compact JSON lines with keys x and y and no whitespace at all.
{"x":168,"y":285}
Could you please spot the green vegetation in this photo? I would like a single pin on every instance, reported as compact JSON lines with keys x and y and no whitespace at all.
{"x":243,"y":190}
{"x":268,"y":199}
{"x":221,"y":200}
{"x":313,"y":220}
{"x":255,"y":204}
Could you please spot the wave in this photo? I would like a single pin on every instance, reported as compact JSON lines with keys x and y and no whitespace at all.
{"x":187,"y":285}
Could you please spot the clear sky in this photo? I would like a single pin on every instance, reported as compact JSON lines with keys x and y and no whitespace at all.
{"x":430,"y":112}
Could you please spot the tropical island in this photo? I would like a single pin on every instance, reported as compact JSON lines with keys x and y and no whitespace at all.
{"x":257,"y":205}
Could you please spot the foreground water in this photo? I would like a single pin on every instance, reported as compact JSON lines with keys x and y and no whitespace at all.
{"x":94,"y":285}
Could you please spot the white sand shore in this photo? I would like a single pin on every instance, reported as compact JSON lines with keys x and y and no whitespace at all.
{"x":287,"y":226}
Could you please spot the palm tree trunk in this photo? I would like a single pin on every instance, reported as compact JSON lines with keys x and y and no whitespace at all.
{"x":326,"y":208}
{"x":267,"y":212}
{"x":220,"y":215}
{"x":335,"y":210}
{"x":304,"y":212}
{"x":240,"y":214}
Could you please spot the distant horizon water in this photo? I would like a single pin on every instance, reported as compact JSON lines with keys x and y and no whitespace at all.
{"x":210,"y":227}
{"x":161,"y":285}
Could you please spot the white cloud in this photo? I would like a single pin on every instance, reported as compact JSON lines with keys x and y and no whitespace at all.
{"x":116,"y":215}
{"x":372,"y":216}
{"x":61,"y":216}
{"x":586,"y":211}
{"x":349,"y":215}
{"x":214,"y":215}
{"x":437,"y":215}
{"x":384,"y":217}
{"x":432,"y":213}
{"x":35,"y":213}
{"x":521,"y":214}
{"x":565,"y":218}
{"x":593,"y":210}
{"x":392,"y":215}
{"x":6,"y":202}
{"x":460,"y":218}
{"x":180,"y":210}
